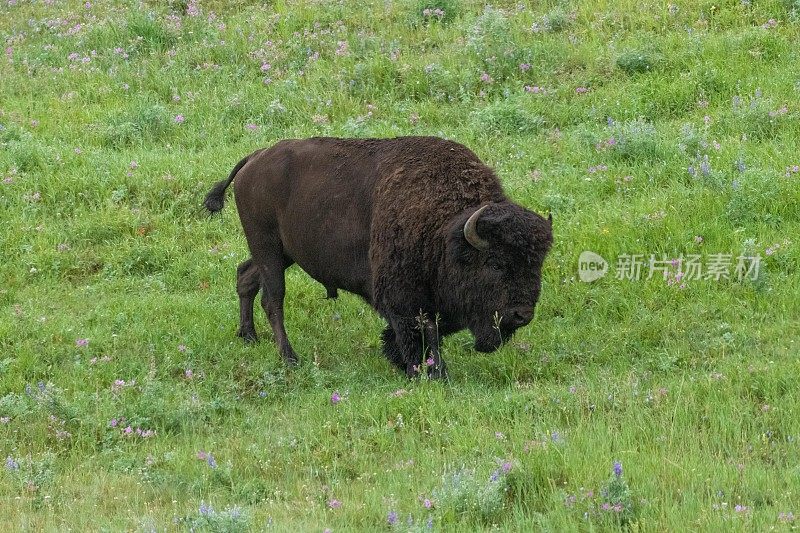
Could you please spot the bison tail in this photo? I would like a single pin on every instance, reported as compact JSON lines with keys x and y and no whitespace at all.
{"x":215,"y":199}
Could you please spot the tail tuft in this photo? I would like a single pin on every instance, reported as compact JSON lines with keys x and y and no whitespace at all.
{"x":215,"y":199}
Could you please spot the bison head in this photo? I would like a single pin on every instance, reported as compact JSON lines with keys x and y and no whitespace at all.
{"x":492,"y":270}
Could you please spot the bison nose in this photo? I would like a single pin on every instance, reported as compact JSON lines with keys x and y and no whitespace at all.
{"x":520,"y":316}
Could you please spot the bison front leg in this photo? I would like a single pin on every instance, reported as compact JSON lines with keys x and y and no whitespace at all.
{"x":274,"y":289}
{"x":391,"y":350}
{"x":248,"y":281}
{"x":413,"y":343}
{"x":438,"y":369}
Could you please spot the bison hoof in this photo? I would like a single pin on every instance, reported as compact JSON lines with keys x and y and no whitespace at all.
{"x":292,"y":359}
{"x":434,"y":372}
{"x":247,"y":335}
{"x":438,"y":372}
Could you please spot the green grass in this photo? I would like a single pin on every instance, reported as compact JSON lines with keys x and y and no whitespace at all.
{"x":687,"y":128}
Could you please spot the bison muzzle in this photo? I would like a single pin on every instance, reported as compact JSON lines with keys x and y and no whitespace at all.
{"x":417,"y":226}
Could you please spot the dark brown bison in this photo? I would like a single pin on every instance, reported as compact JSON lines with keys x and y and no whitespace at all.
{"x":417,"y":226}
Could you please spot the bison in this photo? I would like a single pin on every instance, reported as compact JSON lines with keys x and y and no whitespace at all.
{"x":418,"y":227}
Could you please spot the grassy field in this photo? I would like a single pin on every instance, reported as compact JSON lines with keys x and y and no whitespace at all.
{"x":657,"y":404}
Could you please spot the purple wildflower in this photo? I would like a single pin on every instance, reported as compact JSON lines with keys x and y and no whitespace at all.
{"x":435,"y":12}
{"x":81,"y":343}
{"x":617,"y":468}
{"x":335,"y":398}
{"x":705,"y":166}
{"x":179,"y":119}
{"x":771,"y":23}
{"x":192,"y":8}
{"x":333,"y":503}
{"x":391,"y":518}
{"x":11,"y":464}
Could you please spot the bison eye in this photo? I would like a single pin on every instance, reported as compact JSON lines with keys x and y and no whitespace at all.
{"x":497,"y":267}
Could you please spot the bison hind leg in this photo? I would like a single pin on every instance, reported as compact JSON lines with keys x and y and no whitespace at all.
{"x":273,"y":290}
{"x":248,"y":282}
{"x":332,"y":293}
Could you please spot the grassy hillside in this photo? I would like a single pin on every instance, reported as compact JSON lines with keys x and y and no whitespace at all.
{"x":663,"y":403}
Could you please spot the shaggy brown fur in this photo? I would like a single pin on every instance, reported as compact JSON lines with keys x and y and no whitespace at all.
{"x":384,"y":219}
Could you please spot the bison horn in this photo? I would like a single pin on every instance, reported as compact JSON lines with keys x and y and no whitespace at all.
{"x":471,"y":231}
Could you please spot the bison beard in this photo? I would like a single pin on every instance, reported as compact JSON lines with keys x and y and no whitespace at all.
{"x":417,"y":226}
